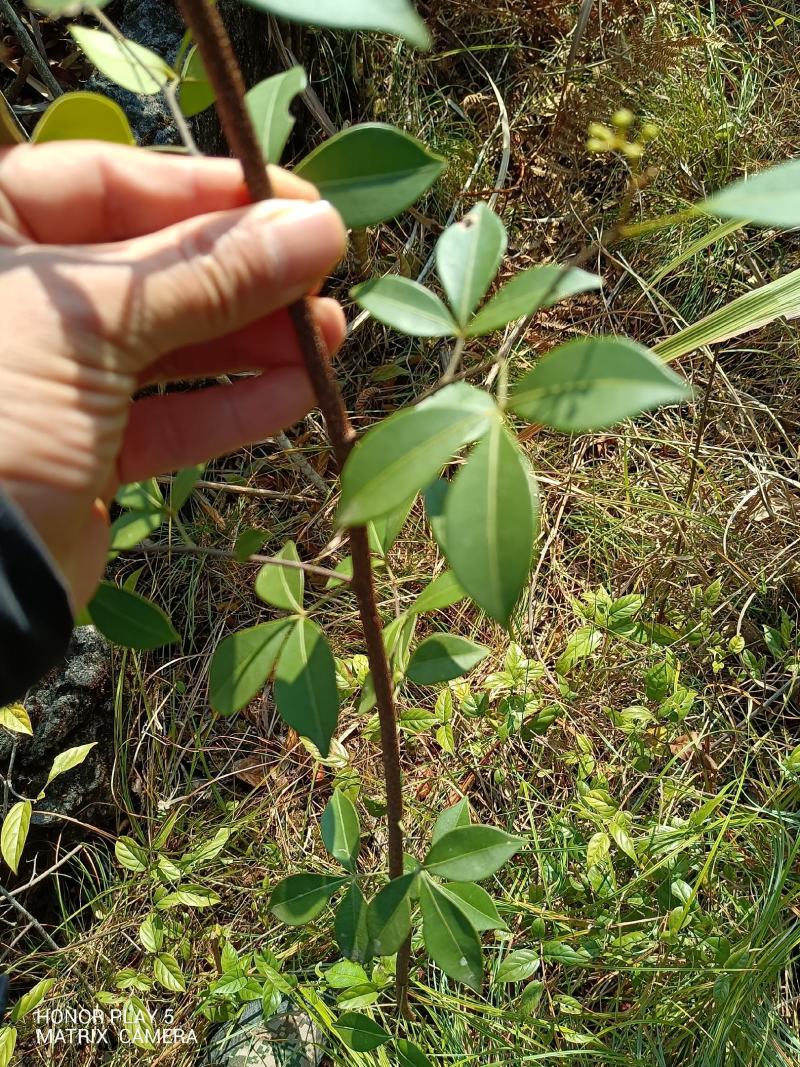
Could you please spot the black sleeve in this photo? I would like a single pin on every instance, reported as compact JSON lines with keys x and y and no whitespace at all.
{"x":35,"y":615}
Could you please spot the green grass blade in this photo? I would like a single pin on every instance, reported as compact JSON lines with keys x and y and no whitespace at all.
{"x":724,"y":229}
{"x":775,"y":300}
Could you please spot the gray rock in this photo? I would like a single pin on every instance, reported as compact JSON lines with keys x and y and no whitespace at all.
{"x":156,"y":25}
{"x":290,"y":1038}
{"x":73,"y":705}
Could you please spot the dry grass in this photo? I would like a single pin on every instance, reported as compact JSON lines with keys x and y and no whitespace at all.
{"x":672,"y":501}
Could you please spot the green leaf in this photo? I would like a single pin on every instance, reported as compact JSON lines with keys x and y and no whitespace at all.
{"x":183,"y":485}
{"x":126,"y":63}
{"x":371,"y":173}
{"x":593,"y":382}
{"x":409,"y":1055}
{"x":171,"y":871}
{"x":401,"y":455}
{"x":468,"y":257}
{"x":360,"y":1033}
{"x":141,"y":496}
{"x":167,"y":972}
{"x":476,"y":904}
{"x":248,"y":543}
{"x":350,"y":925}
{"x":15,"y":718}
{"x":491,"y":523}
{"x":80,"y":116}
{"x":305,"y":685}
{"x":416,"y":720}
{"x":346,"y":975}
{"x":15,"y":833}
{"x":435,"y":500}
{"x":449,"y":937}
{"x":531,"y":995}
{"x":300,"y":898}
{"x":471,"y":853}
{"x":196,"y":93}
{"x":8,"y":1042}
{"x":131,"y":855}
{"x":57,"y":8}
{"x":598,"y":850}
{"x":130,"y":620}
{"x":268,"y":104}
{"x":345,"y":568}
{"x":769,"y":198}
{"x":341,"y":831}
{"x":151,"y":933}
{"x":755,"y":309}
{"x":32,"y":999}
{"x":441,"y":593}
{"x":581,"y":645}
{"x":208,"y":850}
{"x":451,"y":819}
{"x":443,"y":657}
{"x":132,"y":527}
{"x":128,"y":978}
{"x":445,"y":738}
{"x":138,"y":1021}
{"x":518,"y":966}
{"x":557,"y":952}
{"x":397,"y":638}
{"x":282,"y":587}
{"x":619,"y":827}
{"x":539,"y":287}
{"x":389,"y":16}
{"x":243,"y":662}
{"x":389,"y":916}
{"x":384,"y":531}
{"x":406,"y":306}
{"x":68,"y":759}
{"x":189,"y":896}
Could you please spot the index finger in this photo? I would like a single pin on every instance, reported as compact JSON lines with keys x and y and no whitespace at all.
{"x":86,"y":192}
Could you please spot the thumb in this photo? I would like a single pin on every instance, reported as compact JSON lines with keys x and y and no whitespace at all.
{"x":211,"y":275}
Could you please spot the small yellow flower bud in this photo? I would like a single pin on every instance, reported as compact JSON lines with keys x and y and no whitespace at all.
{"x":623,"y":118}
{"x":649,"y":131}
{"x":601,"y":132}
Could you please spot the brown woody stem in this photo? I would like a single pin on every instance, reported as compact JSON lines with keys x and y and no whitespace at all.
{"x":216,"y":51}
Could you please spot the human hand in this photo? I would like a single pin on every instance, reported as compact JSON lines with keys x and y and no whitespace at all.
{"x":121,"y":268}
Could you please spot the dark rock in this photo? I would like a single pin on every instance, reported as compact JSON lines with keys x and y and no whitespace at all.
{"x":156,"y":25}
{"x":73,"y":705}
{"x":249,"y":31}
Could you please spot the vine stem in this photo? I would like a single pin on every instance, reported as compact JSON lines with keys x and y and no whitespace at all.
{"x":203,"y":19}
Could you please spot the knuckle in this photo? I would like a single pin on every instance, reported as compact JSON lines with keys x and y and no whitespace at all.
{"x":225,"y":267}
{"x":206,"y":280}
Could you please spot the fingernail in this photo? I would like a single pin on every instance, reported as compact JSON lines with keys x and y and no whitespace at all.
{"x":303,"y":239}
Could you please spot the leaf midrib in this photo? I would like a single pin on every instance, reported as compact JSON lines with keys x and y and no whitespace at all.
{"x":384,"y":475}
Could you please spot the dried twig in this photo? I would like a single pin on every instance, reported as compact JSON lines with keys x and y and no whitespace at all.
{"x":28,"y":46}
{"x":149,"y":549}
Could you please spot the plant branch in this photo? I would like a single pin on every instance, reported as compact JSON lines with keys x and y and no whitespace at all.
{"x":208,"y":30}
{"x":28,"y":46}
{"x":31,"y":919}
{"x":149,"y":549}
{"x":298,"y":460}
